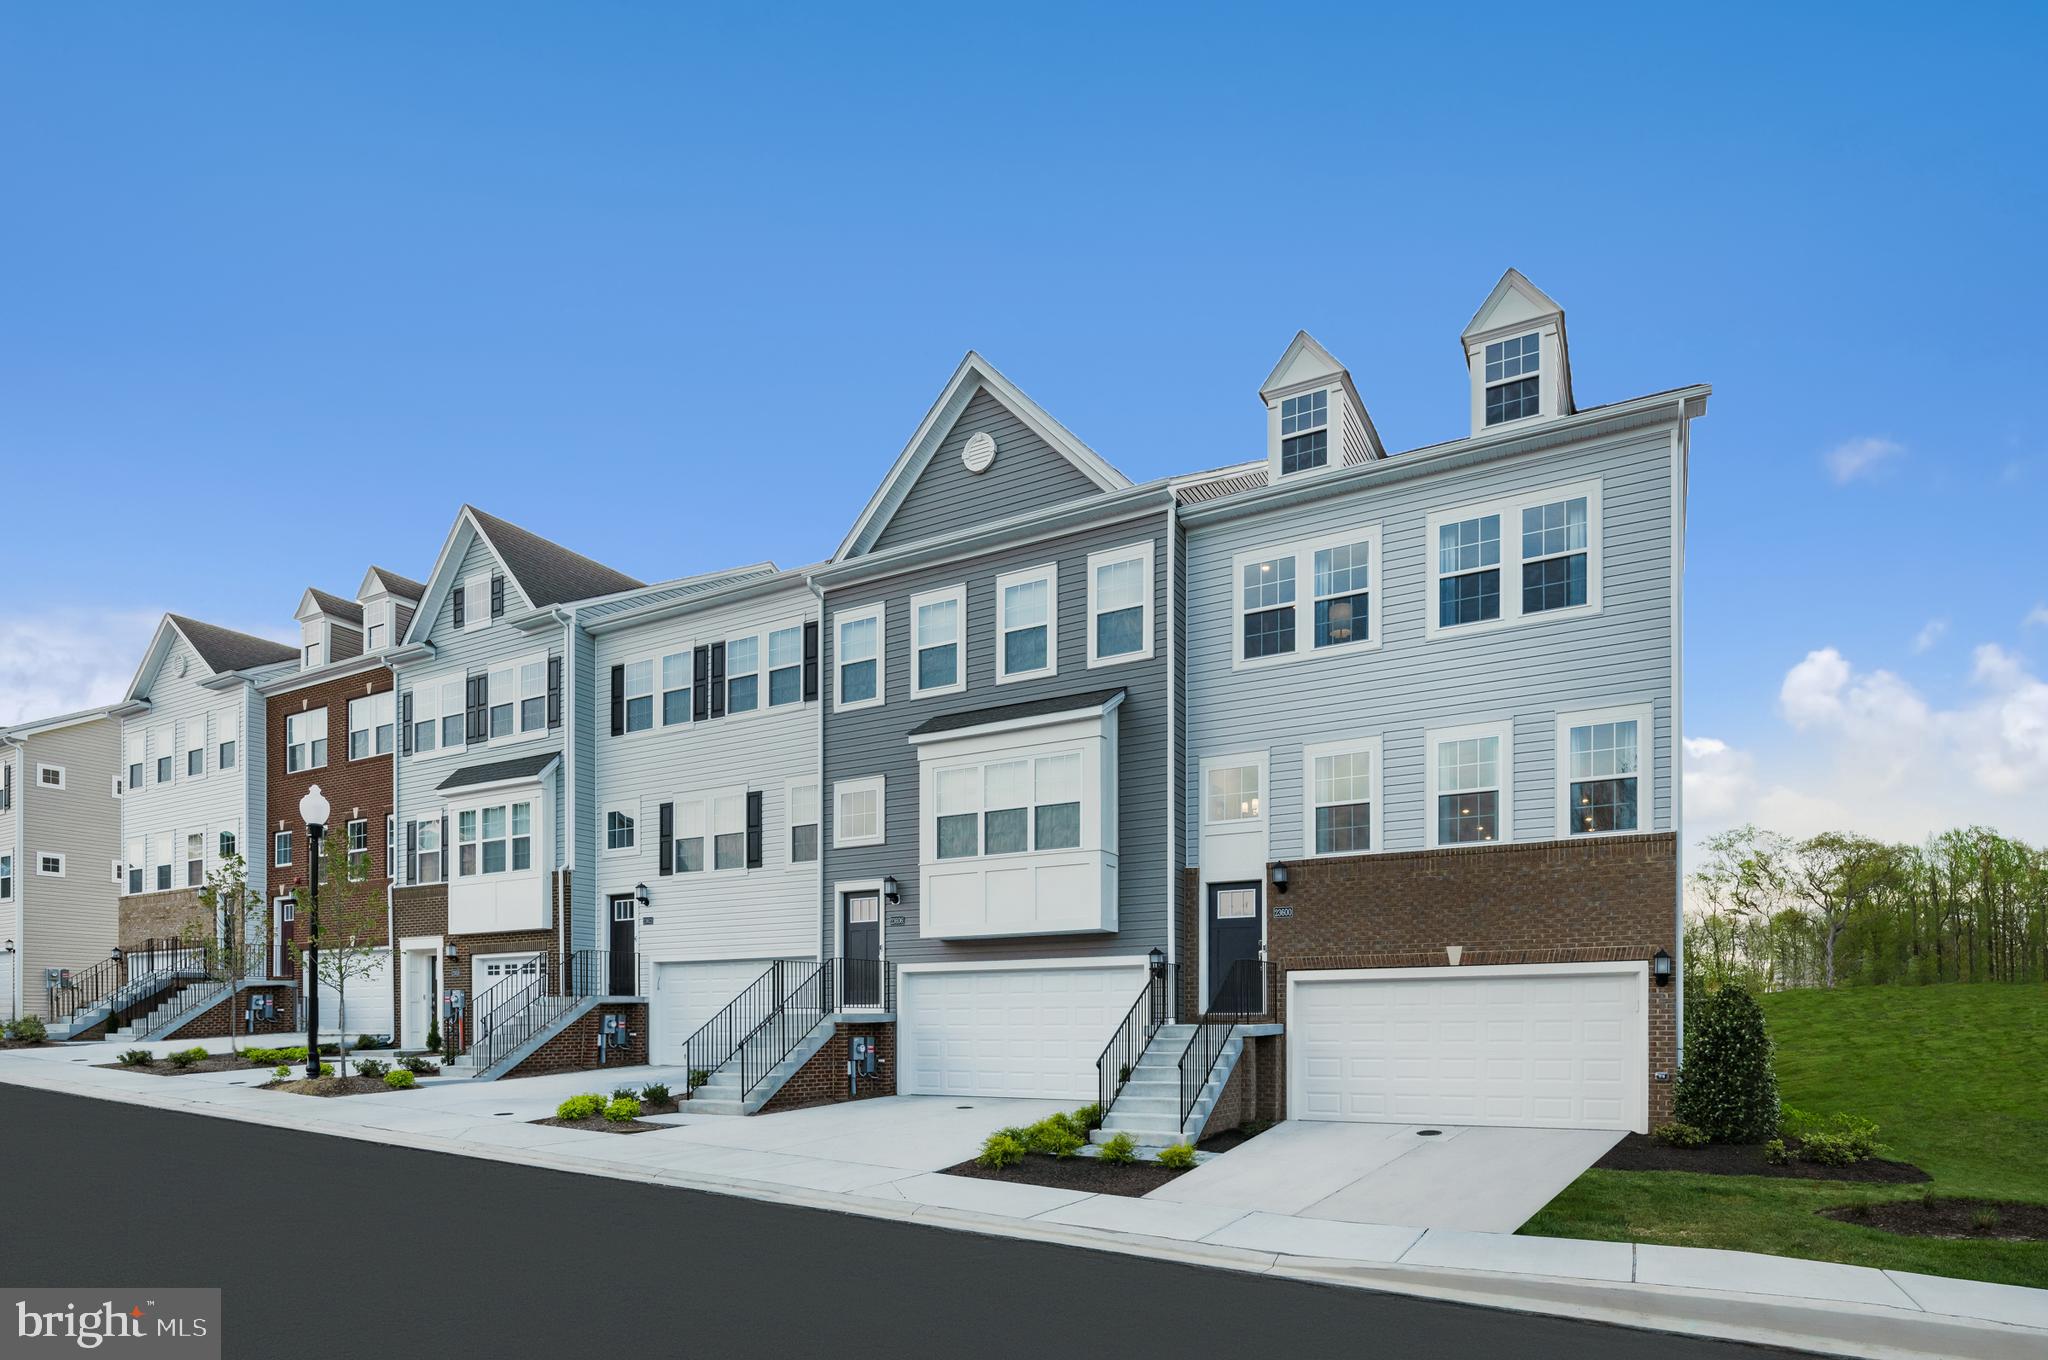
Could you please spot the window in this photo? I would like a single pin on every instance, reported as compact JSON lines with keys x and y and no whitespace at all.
{"x":437,"y":715}
{"x":689,"y":856}
{"x":802,"y":801}
{"x":372,"y":721}
{"x":639,"y":695}
{"x":229,"y":846}
{"x":473,"y":605}
{"x":1120,"y":605}
{"x":860,"y":657}
{"x":426,"y":839}
{"x":390,"y":845}
{"x":937,"y":624}
{"x":1468,"y":784}
{"x":620,"y":825}
{"x":195,"y":859}
{"x":494,"y":840}
{"x":1231,"y":791}
{"x":312,"y":655}
{"x":1341,"y":794}
{"x":1027,"y":624}
{"x":452,"y":714}
{"x":786,"y":666}
{"x":50,"y":776}
{"x":1511,"y":369}
{"x":49,"y":865}
{"x":1601,"y":779}
{"x":281,"y":849}
{"x":533,"y":694}
{"x":742,"y":674}
{"x":374,"y":641}
{"x":227,"y":730}
{"x":358,"y":831}
{"x":6,"y":878}
{"x":195,"y":747}
{"x":857,"y":812}
{"x":1011,"y":806}
{"x":729,"y":831}
{"x":136,"y":855}
{"x":1333,"y":575}
{"x":517,"y":699}
{"x":1550,"y":537}
{"x":675,"y":688}
{"x":1304,"y":432}
{"x":160,"y":743}
{"x":1343,"y":580}
{"x":305,"y":740}
{"x":136,"y":756}
{"x":1267,"y":605}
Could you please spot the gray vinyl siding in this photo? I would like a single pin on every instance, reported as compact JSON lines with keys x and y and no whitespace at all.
{"x":579,"y":706}
{"x":1529,"y":671}
{"x":875,"y":741}
{"x":67,"y":922}
{"x":946,"y":498}
{"x":769,"y":912}
{"x":347,"y":642}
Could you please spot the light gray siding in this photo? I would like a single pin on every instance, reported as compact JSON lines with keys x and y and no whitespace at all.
{"x":946,"y":498}
{"x":875,"y":741}
{"x":1529,"y":672}
{"x":67,"y":922}
{"x":579,"y":701}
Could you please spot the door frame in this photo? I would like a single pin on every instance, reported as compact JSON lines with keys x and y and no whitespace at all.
{"x":1206,"y":903}
{"x":612,"y":901}
{"x":843,"y":889}
{"x":433,"y":947}
{"x":278,"y":951}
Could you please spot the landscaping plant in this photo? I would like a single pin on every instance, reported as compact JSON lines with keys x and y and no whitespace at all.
{"x":281,"y":1073}
{"x":1179,"y":1157}
{"x":1088,"y":1117}
{"x":1120,"y":1150}
{"x":373,"y":1067}
{"x":656,"y":1093}
{"x":398,"y":1081}
{"x":134,"y":1057}
{"x":1680,"y":1135}
{"x":1001,"y":1148}
{"x":622,"y":1108}
{"x":624,"y":1093}
{"x":434,"y":1035}
{"x":1726,"y":1087}
{"x":186,"y":1057}
{"x":580,"y":1107}
{"x":1054,"y":1136}
{"x":418,"y":1066}
{"x":27,"y":1030}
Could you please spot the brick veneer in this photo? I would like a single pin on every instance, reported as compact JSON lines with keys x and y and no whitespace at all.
{"x":822,"y":1080}
{"x":173,"y":913}
{"x":575,"y":1048}
{"x":1608,"y":900}
{"x":212,"y":1023}
{"x":423,"y":911}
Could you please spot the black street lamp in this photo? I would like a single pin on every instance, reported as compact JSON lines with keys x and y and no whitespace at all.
{"x":313,"y":809}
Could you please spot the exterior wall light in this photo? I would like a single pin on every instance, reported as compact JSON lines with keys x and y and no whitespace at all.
{"x":1280,"y":877}
{"x":1660,"y":968}
{"x":640,"y":894}
{"x":892,"y":891}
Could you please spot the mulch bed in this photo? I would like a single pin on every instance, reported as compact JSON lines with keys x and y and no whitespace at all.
{"x":1639,"y":1152}
{"x":24,"y":1043}
{"x":219,"y":1062}
{"x":1979,"y":1219}
{"x":350,"y":1085}
{"x":599,"y":1124}
{"x":1074,"y":1173}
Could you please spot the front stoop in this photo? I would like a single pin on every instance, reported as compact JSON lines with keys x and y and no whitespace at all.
{"x":1148,"y":1109}
{"x":722,"y":1095}
{"x":567,"y":1010}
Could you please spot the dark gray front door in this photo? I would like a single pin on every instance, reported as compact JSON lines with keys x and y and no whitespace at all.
{"x":1233,"y":939}
{"x":861,"y":947}
{"x":623,"y":958}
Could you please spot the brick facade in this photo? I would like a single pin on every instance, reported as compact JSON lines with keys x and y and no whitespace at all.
{"x":822,"y":1080}
{"x":1607,"y":900}
{"x":575,"y":1048}
{"x":212,"y":1023}
{"x":173,"y":914}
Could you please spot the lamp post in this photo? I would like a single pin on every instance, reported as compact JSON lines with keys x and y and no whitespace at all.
{"x":313,"y":811}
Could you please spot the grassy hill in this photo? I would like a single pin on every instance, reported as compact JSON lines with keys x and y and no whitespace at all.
{"x":1955,"y":1075}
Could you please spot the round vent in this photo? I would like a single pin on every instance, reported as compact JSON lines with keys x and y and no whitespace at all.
{"x":980,"y":451}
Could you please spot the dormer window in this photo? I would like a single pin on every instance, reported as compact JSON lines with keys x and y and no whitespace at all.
{"x":1511,"y":372}
{"x":1304,"y":432}
{"x":312,"y":655}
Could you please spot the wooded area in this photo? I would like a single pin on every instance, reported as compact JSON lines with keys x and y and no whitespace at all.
{"x":1772,"y":912}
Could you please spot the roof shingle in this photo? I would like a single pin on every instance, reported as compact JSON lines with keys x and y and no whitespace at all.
{"x":519,"y":767}
{"x":223,"y":649}
{"x":548,"y":572}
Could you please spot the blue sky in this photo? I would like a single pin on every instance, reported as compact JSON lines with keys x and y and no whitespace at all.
{"x":287,"y":284}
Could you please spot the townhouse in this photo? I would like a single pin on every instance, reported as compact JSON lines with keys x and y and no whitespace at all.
{"x":60,"y":813}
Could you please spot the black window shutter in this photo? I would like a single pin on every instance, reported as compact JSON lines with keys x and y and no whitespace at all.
{"x":754,"y":830}
{"x":700,"y":684}
{"x":412,"y":852}
{"x":457,"y":597}
{"x":618,"y":701}
{"x":554,"y":691}
{"x":476,"y":718}
{"x":497,"y":596}
{"x":668,"y":839}
{"x":718,"y":679}
{"x":405,"y":723}
{"x":810,"y":660}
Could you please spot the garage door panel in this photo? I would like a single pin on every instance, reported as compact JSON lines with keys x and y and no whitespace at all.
{"x":1033,"y":1031}
{"x":688,"y":995}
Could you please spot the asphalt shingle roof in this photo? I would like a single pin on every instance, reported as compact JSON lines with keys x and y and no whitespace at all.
{"x":1034,"y":708}
{"x":339,"y":606}
{"x":519,"y":767}
{"x":548,"y":572}
{"x":223,"y":649}
{"x":402,"y":586}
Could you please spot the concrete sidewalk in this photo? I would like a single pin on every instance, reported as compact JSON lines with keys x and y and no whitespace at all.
{"x":880,"y":1158}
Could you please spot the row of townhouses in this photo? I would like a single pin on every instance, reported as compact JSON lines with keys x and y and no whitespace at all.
{"x":1338,"y":783}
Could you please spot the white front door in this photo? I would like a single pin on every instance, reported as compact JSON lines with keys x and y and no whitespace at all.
{"x":1541,"y":1046}
{"x":421,"y":996}
{"x":687,"y":995}
{"x":1031,"y":1030}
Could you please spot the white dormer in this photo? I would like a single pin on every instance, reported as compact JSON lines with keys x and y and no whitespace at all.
{"x":1515,"y":352}
{"x":1315,"y":421}
{"x":330,"y":629}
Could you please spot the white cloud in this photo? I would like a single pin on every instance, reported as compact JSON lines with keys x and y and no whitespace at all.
{"x":1853,"y":458}
{"x":62,"y":661}
{"x":2037,"y":617}
{"x":1929,"y":634}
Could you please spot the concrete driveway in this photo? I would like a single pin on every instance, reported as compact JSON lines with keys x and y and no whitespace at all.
{"x":1472,"y":1179}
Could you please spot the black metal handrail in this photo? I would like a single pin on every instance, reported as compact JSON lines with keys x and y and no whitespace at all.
{"x":808,"y":997}
{"x":1238,"y":996}
{"x":1120,"y":1056}
{"x":597,"y":972}
{"x":126,"y":978}
{"x":508,"y":1014}
{"x":720,"y":1037}
{"x":197,"y":995}
{"x":864,"y":984}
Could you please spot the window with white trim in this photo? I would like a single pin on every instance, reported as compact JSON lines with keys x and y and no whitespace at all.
{"x":228,"y":844}
{"x":675,"y":688}
{"x":136,"y":755}
{"x":476,"y":602}
{"x":1506,"y":561}
{"x":1120,"y":604}
{"x":51,"y":776}
{"x":49,"y":865}
{"x":1027,"y":624}
{"x":858,"y":656}
{"x":691,"y":817}
{"x":195,"y":747}
{"x":1304,"y":432}
{"x":639,"y":680}
{"x":1603,"y":781}
{"x":160,"y":747}
{"x":1332,"y":576}
{"x":786,"y":666}
{"x":6,"y":877}
{"x":305,"y":740}
{"x":195,"y":859}
{"x":1013,"y":805}
{"x":281,"y":849}
{"x":621,"y":828}
{"x":357,"y":841}
{"x":1469,"y":779}
{"x":858,"y":812}
{"x":1232,"y":792}
{"x":742,"y":674}
{"x":1511,"y":378}
{"x":163,"y":846}
{"x":314,"y":652}
{"x":1340,"y":796}
{"x":426,"y":842}
{"x":729,"y":832}
{"x":801,"y":800}
{"x":497,"y":839}
{"x":518,"y":698}
{"x":137,"y":852}
{"x":938,"y":653}
{"x":227,"y":732}
{"x":372,"y":722}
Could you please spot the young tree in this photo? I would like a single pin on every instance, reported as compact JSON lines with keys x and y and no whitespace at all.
{"x":1832,"y":875}
{"x":351,"y":919}
{"x":232,"y":907}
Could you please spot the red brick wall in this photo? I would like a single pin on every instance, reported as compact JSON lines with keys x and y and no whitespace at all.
{"x":423,"y":911}
{"x":822,"y":1080}
{"x":212,"y":1023}
{"x":174,"y":913}
{"x":575,"y":1048}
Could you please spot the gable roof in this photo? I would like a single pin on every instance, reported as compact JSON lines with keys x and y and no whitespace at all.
{"x":348,"y":611}
{"x":1513,"y":284}
{"x":1304,"y":361}
{"x":404,"y":587}
{"x":546,"y":572}
{"x":224,"y":649}
{"x":973,"y":373}
{"x":500,"y":771}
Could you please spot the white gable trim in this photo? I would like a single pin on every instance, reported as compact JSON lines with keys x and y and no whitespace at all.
{"x":1305,"y":361}
{"x":973,"y":372}
{"x":153,"y":659}
{"x":443,"y":578}
{"x":1540,"y":302}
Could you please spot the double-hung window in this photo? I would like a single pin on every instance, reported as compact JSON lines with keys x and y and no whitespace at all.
{"x":281,"y":849}
{"x":371,"y":723}
{"x":227,"y":732}
{"x":938,"y":624}
{"x":165,"y":846}
{"x":690,"y":836}
{"x":426,"y":840}
{"x":729,"y":831}
{"x":742,"y":674}
{"x":786,"y":666}
{"x":675,"y":688}
{"x":1120,"y":605}
{"x":135,"y":755}
{"x":639,"y":695}
{"x":1340,"y":790}
{"x":1306,"y":599}
{"x":160,"y":746}
{"x":305,"y":740}
{"x":1470,"y":779}
{"x":136,"y":854}
{"x":517,"y":698}
{"x":358,"y":847}
{"x":454,"y":723}
{"x":195,"y":859}
{"x":195,"y":747}
{"x":533,"y":694}
{"x":1304,"y":432}
{"x":1602,"y":770}
{"x":621,"y":827}
{"x":860,"y":654}
{"x":858,"y":812}
{"x":1511,"y":378}
{"x":1027,"y":624}
{"x":802,"y":801}
{"x":6,"y":878}
{"x":1512,"y":560}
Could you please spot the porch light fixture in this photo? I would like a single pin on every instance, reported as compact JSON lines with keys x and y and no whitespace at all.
{"x":640,"y":893}
{"x":892,"y":891}
{"x":1280,"y":877}
{"x":1158,"y":962}
{"x":1660,"y":968}
{"x":449,"y":948}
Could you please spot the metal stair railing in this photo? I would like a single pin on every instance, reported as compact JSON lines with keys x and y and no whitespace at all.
{"x":807,"y":998}
{"x":197,"y":995}
{"x":125,"y":979}
{"x":1126,"y":1047}
{"x":724,"y":1034}
{"x":598,"y":972}
{"x":1239,"y":996}
{"x":509,"y":1013}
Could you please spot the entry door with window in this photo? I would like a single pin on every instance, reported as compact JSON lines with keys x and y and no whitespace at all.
{"x":1234,"y":939}
{"x":623,"y":958}
{"x":861,"y":946}
{"x":284,"y":961}
{"x":422,"y":993}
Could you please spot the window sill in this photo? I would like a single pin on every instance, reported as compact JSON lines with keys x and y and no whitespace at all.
{"x":1259,"y":663}
{"x":1019,"y":677}
{"x":1433,"y":631}
{"x":1096,"y":663}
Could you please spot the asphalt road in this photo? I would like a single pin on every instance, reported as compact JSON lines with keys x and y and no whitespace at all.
{"x":336,"y":1247}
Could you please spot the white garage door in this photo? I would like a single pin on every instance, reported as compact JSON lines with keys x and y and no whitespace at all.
{"x":687,"y":995}
{"x":1030,"y":1031}
{"x":368,"y":998}
{"x":1547,"y":1047}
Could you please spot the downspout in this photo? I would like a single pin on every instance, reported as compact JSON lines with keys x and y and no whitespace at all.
{"x":566,"y":856}
{"x":1678,"y":476}
{"x":17,"y":819}
{"x":818,"y":882}
{"x":1174,"y":793}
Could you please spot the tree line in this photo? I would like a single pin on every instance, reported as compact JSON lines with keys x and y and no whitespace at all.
{"x":1773,"y":912}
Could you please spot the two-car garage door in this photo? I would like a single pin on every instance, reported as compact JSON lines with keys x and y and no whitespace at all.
{"x":1032,"y":1031}
{"x":1558,"y":1046}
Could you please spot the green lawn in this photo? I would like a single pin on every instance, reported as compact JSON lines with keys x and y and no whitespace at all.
{"x":1955,"y":1075}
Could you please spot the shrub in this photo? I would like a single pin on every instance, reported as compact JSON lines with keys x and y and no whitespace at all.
{"x":1776,"y":1153}
{"x":1179,"y":1157}
{"x":373,"y":1067}
{"x":580,"y":1107}
{"x":1827,"y":1149}
{"x":275,"y":1055}
{"x":27,"y":1030}
{"x":1088,"y":1118}
{"x":625,"y":1093}
{"x":418,"y":1066}
{"x":622,"y":1108}
{"x":1680,"y":1135}
{"x":1119,"y":1150}
{"x":1001,"y":1149}
{"x":1054,"y":1136}
{"x":656,"y":1093}
{"x":185,"y":1057}
{"x":1985,"y":1219}
{"x":1838,"y":1139}
{"x":326,"y":1069}
{"x":280,"y":1073}
{"x":434,"y":1035}
{"x":368,"y":1041}
{"x":401,"y":1080}
{"x":134,"y":1057}
{"x":1726,"y":1088}
{"x":698,"y":1076}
